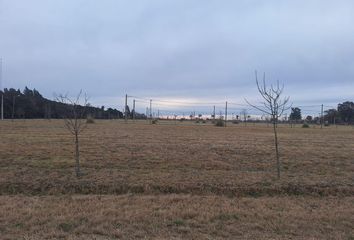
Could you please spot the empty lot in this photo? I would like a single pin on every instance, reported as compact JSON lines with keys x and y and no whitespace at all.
{"x":175,"y":181}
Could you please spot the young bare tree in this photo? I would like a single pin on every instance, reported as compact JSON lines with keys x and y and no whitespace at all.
{"x":75,"y":121}
{"x":273,"y":105}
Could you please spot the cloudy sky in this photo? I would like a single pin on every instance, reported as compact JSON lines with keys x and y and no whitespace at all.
{"x":179,"y":50}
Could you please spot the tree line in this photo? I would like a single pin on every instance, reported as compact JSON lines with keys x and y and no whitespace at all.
{"x":31,"y":104}
{"x":344,"y":114}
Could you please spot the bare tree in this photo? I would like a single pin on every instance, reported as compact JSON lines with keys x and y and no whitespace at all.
{"x":274,"y":106}
{"x":75,"y":122}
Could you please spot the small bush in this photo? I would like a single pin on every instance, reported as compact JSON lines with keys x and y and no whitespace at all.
{"x":305,"y":125}
{"x":66,"y":227}
{"x":154,"y":121}
{"x":90,"y":120}
{"x":178,"y":222}
{"x":220,"y":123}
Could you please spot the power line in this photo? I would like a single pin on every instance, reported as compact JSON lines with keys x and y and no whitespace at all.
{"x":192,"y":103}
{"x":181,"y":106}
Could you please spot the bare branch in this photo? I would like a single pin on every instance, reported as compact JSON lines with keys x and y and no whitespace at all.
{"x":258,"y":108}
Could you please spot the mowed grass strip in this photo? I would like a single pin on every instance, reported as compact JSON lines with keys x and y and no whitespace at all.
{"x":175,"y":217}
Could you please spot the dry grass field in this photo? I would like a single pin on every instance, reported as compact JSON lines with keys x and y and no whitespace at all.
{"x":181,"y":181}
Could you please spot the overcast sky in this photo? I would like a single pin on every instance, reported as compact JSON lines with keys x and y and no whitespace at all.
{"x":197,"y":50}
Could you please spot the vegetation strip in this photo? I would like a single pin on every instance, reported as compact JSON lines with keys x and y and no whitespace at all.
{"x":242,"y":191}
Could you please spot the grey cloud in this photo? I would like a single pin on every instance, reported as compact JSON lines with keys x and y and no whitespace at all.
{"x":178,"y":48}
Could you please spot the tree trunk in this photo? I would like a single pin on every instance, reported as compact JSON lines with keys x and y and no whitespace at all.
{"x":276,"y":147}
{"x":77,"y":155}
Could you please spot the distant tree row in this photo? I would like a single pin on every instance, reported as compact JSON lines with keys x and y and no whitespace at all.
{"x":344,"y":114}
{"x":31,"y":104}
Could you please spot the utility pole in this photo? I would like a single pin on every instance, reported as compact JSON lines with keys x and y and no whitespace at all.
{"x":134,"y":109}
{"x":225,"y":113}
{"x":150,"y":110}
{"x":126,"y":108}
{"x":214,"y":114}
{"x":322,"y":116}
{"x":2,"y":93}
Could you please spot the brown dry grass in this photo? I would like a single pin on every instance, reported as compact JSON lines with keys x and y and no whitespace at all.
{"x":207,"y":166}
{"x":175,"y":217}
{"x":37,"y":158}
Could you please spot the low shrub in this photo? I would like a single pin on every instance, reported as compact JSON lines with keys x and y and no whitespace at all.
{"x":220,"y":123}
{"x":90,"y":120}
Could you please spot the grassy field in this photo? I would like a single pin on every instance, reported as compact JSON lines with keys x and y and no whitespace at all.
{"x":181,"y":181}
